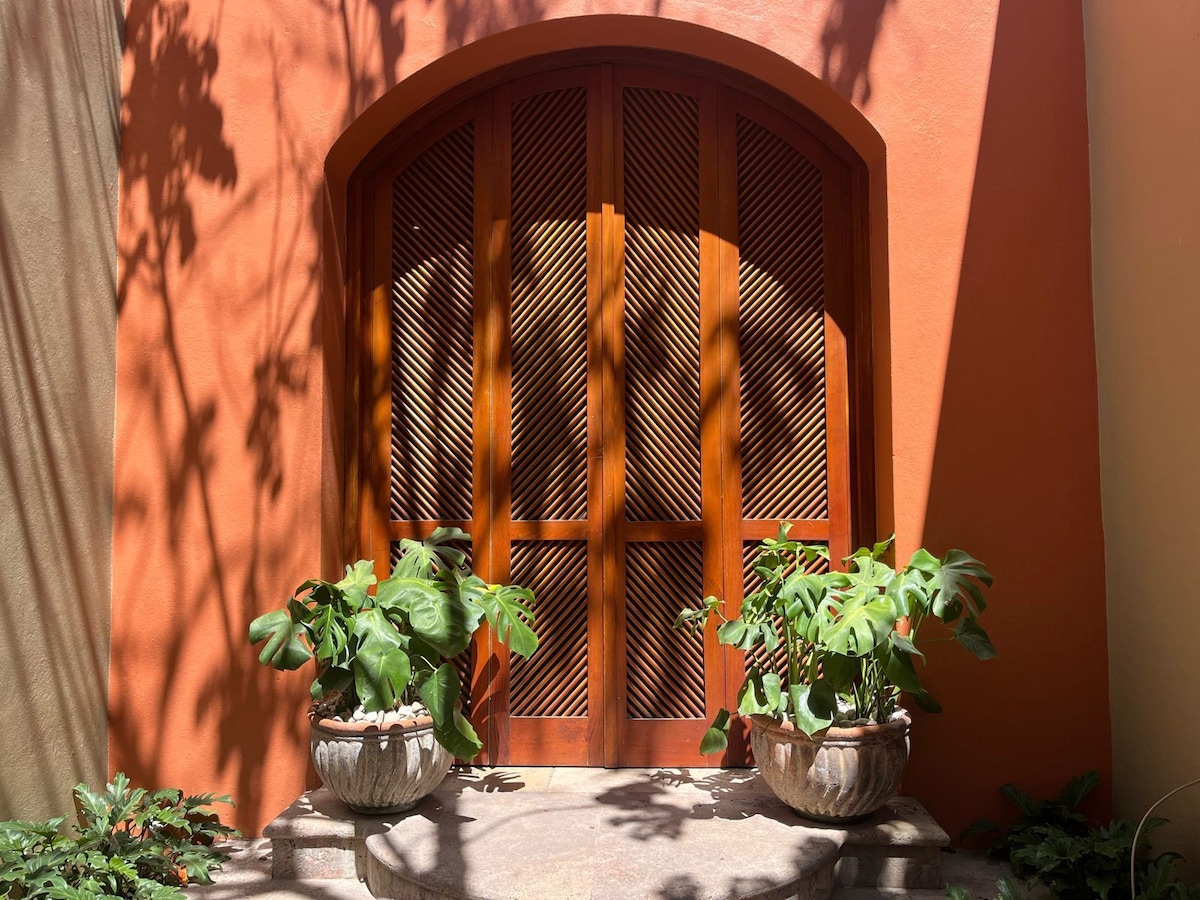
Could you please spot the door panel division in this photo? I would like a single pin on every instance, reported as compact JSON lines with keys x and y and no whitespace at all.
{"x":609,"y":333}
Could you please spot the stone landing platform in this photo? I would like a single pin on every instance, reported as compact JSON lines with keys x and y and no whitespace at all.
{"x":569,"y":834}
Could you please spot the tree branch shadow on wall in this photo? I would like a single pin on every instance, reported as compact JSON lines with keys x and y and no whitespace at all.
{"x":176,"y":151}
{"x":469,"y":20}
{"x":848,"y":42}
{"x":172,"y":128}
{"x":57,"y":232}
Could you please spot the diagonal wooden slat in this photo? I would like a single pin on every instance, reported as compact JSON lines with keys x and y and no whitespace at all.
{"x":432,"y":331}
{"x":662,"y":308}
{"x":549,"y":306}
{"x":780,"y":328}
{"x":552,"y":682}
{"x":664,"y":666}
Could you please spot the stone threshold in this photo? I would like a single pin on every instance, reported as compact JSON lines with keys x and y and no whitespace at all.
{"x":560,"y":833}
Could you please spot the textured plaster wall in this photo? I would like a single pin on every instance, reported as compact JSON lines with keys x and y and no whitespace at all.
{"x":1143,"y":65}
{"x":59,"y":102}
{"x":228,"y":113}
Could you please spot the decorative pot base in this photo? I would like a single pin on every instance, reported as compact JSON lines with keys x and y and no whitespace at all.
{"x":842,"y":776}
{"x":378,"y":770}
{"x":391,"y":810}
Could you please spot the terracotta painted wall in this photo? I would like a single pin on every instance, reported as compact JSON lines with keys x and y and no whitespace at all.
{"x":1143,"y":88}
{"x":223,"y":379}
{"x":59,"y":102}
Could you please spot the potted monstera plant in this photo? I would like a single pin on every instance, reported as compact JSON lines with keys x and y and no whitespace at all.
{"x":831,"y":654}
{"x":387,"y":718}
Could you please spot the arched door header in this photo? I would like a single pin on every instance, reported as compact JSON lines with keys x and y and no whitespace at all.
{"x":561,"y":42}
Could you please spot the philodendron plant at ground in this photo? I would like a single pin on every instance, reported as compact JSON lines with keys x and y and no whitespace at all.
{"x":385,"y":649}
{"x":127,"y":843}
{"x":850,"y":638}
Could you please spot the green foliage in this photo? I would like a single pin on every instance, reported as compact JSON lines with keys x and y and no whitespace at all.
{"x":1006,"y":889}
{"x":1059,"y":814}
{"x":129,"y":843}
{"x":840,"y":632}
{"x":1054,"y":844}
{"x":387,"y":648}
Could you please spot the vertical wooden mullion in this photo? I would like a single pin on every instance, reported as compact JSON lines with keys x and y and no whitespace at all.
{"x":596,"y":352}
{"x":494,"y":183}
{"x":483,"y":700}
{"x":837,"y":391}
{"x":864,"y":526}
{"x":376,"y":415}
{"x":482,"y":526}
{"x":613,"y":314}
{"x":712,"y":391}
{"x":731,"y":445}
{"x":357,"y":370}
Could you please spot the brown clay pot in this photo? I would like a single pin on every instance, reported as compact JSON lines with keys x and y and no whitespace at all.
{"x":378,"y":769}
{"x":843,"y":775}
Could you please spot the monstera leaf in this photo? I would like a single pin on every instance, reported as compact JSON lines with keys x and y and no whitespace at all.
{"x":440,"y":691}
{"x":954,"y":583}
{"x":382,"y":668}
{"x":970,"y":634}
{"x":359,"y":579}
{"x":509,"y":611}
{"x":864,"y":620}
{"x":441,"y":614}
{"x":423,"y":559}
{"x":760,"y":694}
{"x":910,"y":592}
{"x":284,"y":650}
{"x":813,"y":705}
{"x":716,"y":739}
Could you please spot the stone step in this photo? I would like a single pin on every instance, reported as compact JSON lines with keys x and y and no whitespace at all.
{"x":563,"y":833}
{"x":971,"y":870}
{"x":247,"y":876}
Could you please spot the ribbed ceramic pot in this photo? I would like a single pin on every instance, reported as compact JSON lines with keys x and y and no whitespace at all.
{"x":378,"y":769}
{"x":841,"y":776}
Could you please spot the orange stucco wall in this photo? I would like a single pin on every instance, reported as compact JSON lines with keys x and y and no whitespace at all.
{"x":227,"y":360}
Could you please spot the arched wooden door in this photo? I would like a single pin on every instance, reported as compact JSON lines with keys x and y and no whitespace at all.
{"x":609,"y":337}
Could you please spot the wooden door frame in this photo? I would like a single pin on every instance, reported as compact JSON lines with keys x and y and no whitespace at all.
{"x":357,"y":527}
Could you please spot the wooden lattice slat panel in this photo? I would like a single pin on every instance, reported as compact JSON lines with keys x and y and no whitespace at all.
{"x":552,"y":682}
{"x":549,"y":306}
{"x":465,"y":661}
{"x":661,"y":166}
{"x":432,"y":331}
{"x":780,"y":328}
{"x":751,"y":583}
{"x":664,"y":666}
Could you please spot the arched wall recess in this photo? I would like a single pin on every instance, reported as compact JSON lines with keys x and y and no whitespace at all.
{"x":616,"y":310}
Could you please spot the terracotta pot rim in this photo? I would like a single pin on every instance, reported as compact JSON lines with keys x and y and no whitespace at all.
{"x":369,"y":729}
{"x":857,"y":732}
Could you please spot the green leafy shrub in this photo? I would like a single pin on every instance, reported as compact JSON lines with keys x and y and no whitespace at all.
{"x":128,"y":843}
{"x":1056,"y":845}
{"x":387,"y":648}
{"x":839,"y":631}
{"x":1006,"y":889}
{"x":1059,"y":814}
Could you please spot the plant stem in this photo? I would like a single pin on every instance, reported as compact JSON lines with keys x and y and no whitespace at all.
{"x":793,"y":655}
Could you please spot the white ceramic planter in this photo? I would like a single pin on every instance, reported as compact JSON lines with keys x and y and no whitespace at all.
{"x":378,"y":769}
